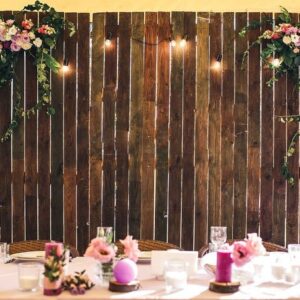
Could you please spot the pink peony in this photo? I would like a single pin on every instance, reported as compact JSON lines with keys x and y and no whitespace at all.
{"x":131,"y":248}
{"x":100,"y":250}
{"x":254,"y":245}
{"x":240,"y":253}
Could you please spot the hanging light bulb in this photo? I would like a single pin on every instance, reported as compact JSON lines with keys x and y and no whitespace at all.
{"x":218,"y":62}
{"x":65,"y":67}
{"x":172,"y":42}
{"x":108,"y":40}
{"x":183,"y":42}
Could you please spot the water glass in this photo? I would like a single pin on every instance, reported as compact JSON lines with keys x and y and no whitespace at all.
{"x":29,"y":276}
{"x":175,"y":273}
{"x":105,"y":232}
{"x":294,"y":253}
{"x":218,"y":235}
{"x":3,"y":251}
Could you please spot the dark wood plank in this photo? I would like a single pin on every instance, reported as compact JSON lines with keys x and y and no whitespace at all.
{"x":201,"y":131}
{"x":162,"y":121}
{"x":31,"y":147}
{"x":267,"y":120}
{"x":227,"y":131}
{"x":240,"y":145}
{"x":83,"y":37}
{"x":136,"y":125}
{"x":292,"y":218}
{"x":57,"y":168}
{"x":18,"y":156}
{"x":253,"y":130}
{"x":189,"y":100}
{"x":214,"y":140}
{"x":70,"y":138}
{"x":147,"y":213}
{"x":109,"y":99}
{"x":122,"y":125}
{"x":44,"y":170}
{"x":175,"y":165}
{"x":95,"y":123}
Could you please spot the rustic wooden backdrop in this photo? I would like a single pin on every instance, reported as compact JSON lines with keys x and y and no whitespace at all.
{"x":150,"y":139}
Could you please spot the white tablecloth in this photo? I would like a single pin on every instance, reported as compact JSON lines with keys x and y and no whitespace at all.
{"x":150,"y":287}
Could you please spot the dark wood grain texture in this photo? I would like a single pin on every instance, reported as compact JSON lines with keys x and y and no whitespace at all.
{"x":162,"y":121}
{"x":122,"y":125}
{"x":240,"y":146}
{"x":83,"y":36}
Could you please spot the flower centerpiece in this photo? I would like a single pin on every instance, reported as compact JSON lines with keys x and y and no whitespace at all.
{"x":38,"y":41}
{"x":78,"y":283}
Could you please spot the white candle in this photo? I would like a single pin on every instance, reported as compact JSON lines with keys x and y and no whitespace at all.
{"x":28,"y":282}
{"x":176,"y":279}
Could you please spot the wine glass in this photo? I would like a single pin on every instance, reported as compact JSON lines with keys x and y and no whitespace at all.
{"x":105,"y":232}
{"x":218,"y":235}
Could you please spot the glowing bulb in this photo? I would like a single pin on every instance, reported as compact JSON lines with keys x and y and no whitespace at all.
{"x":276,"y":62}
{"x":217,"y":65}
{"x":182,"y":43}
{"x":65,"y":68}
{"x":173,"y":43}
{"x":107,"y":42}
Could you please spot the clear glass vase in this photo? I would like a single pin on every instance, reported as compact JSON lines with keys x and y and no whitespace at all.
{"x":107,"y":272}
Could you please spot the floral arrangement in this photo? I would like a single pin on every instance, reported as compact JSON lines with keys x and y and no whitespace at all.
{"x":54,"y":264}
{"x":77,"y":283}
{"x":37,"y":41}
{"x":131,"y":248}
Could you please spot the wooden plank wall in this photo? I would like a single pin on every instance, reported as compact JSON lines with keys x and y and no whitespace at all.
{"x":156,"y":141}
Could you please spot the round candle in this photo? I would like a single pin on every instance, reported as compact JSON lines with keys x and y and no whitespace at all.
{"x":28,"y":282}
{"x":224,"y":263}
{"x":125,"y":271}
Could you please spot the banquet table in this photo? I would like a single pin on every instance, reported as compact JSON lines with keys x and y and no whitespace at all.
{"x":151,"y":288}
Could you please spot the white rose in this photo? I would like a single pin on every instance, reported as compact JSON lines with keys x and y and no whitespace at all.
{"x":287,"y":39}
{"x":26,"y":46}
{"x":12,"y":30}
{"x":31,"y":35}
{"x":7,"y":37}
{"x":38,"y":42}
{"x":295,"y":38}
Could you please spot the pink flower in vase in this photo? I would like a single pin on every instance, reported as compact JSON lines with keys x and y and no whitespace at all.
{"x":131,"y":248}
{"x":241,"y":254}
{"x":100,"y":250}
{"x":255,"y":245}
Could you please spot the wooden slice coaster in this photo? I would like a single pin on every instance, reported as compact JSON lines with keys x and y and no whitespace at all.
{"x":224,"y":287}
{"x":115,"y":286}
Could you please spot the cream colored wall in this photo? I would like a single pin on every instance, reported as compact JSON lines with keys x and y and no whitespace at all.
{"x":159,"y":5}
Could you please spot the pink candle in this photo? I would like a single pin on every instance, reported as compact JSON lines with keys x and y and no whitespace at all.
{"x":224,"y":262}
{"x":53,"y":245}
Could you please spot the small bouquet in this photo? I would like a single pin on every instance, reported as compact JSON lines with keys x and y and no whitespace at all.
{"x":77,"y":284}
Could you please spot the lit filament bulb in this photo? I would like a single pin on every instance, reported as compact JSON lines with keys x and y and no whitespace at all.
{"x":217,"y":64}
{"x":107,"y":42}
{"x":182,"y":43}
{"x":65,"y":67}
{"x":173,"y":43}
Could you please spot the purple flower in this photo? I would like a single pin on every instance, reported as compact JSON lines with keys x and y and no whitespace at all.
{"x":6,"y":45}
{"x":15,"y":47}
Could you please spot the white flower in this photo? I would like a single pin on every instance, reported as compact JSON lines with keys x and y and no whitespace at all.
{"x":7,"y":37}
{"x":31,"y":35}
{"x":26,"y":46}
{"x":287,"y":39}
{"x":38,"y":42}
{"x":12,"y":30}
{"x":296,"y":50}
{"x":295,"y":38}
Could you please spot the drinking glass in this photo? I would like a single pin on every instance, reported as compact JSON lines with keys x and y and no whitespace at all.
{"x":29,"y":276}
{"x":3,"y":251}
{"x":175,"y":274}
{"x":218,"y":235}
{"x":294,"y":253}
{"x":105,"y":232}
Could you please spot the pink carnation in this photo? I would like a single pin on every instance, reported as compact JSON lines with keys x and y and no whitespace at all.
{"x":241,"y":253}
{"x":100,"y":250}
{"x":131,"y":248}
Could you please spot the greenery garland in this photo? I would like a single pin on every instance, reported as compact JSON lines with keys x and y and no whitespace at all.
{"x":281,"y":53}
{"x":37,"y":42}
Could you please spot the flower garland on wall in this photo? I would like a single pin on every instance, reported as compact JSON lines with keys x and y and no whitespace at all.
{"x":37,"y":41}
{"x":281,"y":53}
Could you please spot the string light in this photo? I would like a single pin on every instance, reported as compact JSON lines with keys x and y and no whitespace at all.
{"x":172,"y":42}
{"x":276,"y":62}
{"x":65,"y":66}
{"x":108,"y":40}
{"x":217,"y":64}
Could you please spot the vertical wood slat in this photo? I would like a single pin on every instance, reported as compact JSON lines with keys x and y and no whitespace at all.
{"x":122,"y":126}
{"x":227,"y":131}
{"x":83,"y":36}
{"x":188,"y":130}
{"x":147,"y":212}
{"x":109,"y":99}
{"x":43,"y":169}
{"x":136,"y":125}
{"x":253,"y":131}
{"x":57,"y":168}
{"x":18,"y":155}
{"x":31,"y":147}
{"x":292,"y":219}
{"x":214,"y":145}
{"x":175,"y":139}
{"x":201,"y":131}
{"x":267,"y":153}
{"x":70,"y":137}
{"x":162,"y":120}
{"x":280,"y":185}
{"x":240,"y":147}
{"x":96,"y":123}
{"x":5,"y":165}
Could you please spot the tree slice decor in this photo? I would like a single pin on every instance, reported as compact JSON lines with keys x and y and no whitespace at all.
{"x":36,"y":41}
{"x":281,"y":53}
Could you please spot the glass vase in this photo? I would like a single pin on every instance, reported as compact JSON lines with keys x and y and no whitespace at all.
{"x":107,"y":272}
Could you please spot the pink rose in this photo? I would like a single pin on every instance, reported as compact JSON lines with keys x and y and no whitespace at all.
{"x":15,"y":47}
{"x":291,"y":30}
{"x":240,"y":253}
{"x":131,"y":248}
{"x":275,"y":36}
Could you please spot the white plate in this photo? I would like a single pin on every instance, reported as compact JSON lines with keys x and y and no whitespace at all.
{"x":29,"y":256}
{"x":144,"y":257}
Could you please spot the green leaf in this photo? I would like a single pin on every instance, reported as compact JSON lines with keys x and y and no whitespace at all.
{"x":52,"y":63}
